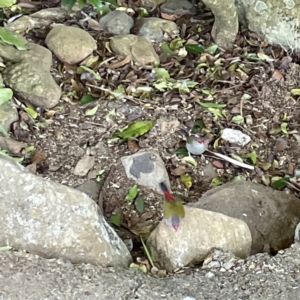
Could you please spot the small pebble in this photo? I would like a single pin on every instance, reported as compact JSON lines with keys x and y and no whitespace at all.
{"x":210,"y":275}
{"x":214,"y":264}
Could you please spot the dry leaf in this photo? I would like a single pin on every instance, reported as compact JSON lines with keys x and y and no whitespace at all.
{"x":120,"y":64}
{"x":179,"y":170}
{"x":169,"y":17}
{"x":133,"y":146}
{"x":38,"y":157}
{"x":285,"y":63}
{"x":277,"y":75}
{"x":280,"y":144}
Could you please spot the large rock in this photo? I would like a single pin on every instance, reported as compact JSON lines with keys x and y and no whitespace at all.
{"x":271,"y":215}
{"x":53,"y":220}
{"x":8,"y":114}
{"x":117,"y":22}
{"x":28,"y":75}
{"x":226,"y":23}
{"x":70,"y":44}
{"x":199,"y":233}
{"x":139,"y":48}
{"x":154,"y":28}
{"x":275,"y":21}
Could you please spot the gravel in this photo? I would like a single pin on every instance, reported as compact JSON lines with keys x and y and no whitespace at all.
{"x":28,"y":276}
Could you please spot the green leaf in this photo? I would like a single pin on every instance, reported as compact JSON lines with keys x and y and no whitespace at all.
{"x":238,"y":178}
{"x":176,"y":43}
{"x":7,"y":3}
{"x":3,"y":131}
{"x":32,"y":112}
{"x":237,"y":119}
{"x":281,"y":183}
{"x":194,"y":48}
{"x":212,"y":49}
{"x":265,"y":165}
{"x":252,"y":155}
{"x":181,"y":151}
{"x":216,"y":181}
{"x":198,"y":125}
{"x":143,"y":12}
{"x":265,"y":57}
{"x":165,"y":48}
{"x":140,"y":267}
{"x":86,"y":99}
{"x":162,"y":73}
{"x":211,"y":105}
{"x":116,"y":218}
{"x":91,"y":111}
{"x":189,"y":160}
{"x":217,"y":113}
{"x":283,"y":127}
{"x":187,"y":180}
{"x":135,"y":129}
{"x":295,"y":92}
{"x":5,"y":94}
{"x":132,"y":193}
{"x":139,"y":204}
{"x":69,"y":3}
{"x":11,"y":38}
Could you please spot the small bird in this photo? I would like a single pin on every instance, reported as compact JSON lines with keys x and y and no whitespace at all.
{"x":197,"y":145}
{"x":173,"y":209}
{"x":194,"y":143}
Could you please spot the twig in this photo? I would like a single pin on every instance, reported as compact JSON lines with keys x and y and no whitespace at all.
{"x":231,"y":160}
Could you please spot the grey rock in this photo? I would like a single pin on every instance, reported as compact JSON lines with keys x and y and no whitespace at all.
{"x":116,"y":22}
{"x":182,"y":7}
{"x":28,"y":75}
{"x":275,"y":21}
{"x":54,"y":221}
{"x":52,"y":13}
{"x":27,"y":23}
{"x":271,"y":215}
{"x":70,"y":44}
{"x":40,"y":19}
{"x":199,"y":233}
{"x":139,"y":48}
{"x":154,"y":28}
{"x":8,"y":114}
{"x":91,"y":188}
{"x":146,"y":168}
{"x":32,"y":85}
{"x":226,"y":24}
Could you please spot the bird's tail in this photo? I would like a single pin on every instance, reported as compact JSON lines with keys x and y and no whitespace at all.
{"x":166,"y":191}
{"x":184,"y":132}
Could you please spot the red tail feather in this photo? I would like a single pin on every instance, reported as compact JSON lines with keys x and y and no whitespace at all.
{"x":166,"y":191}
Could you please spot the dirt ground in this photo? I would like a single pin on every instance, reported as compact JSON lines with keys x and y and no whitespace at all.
{"x":258,"y":100}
